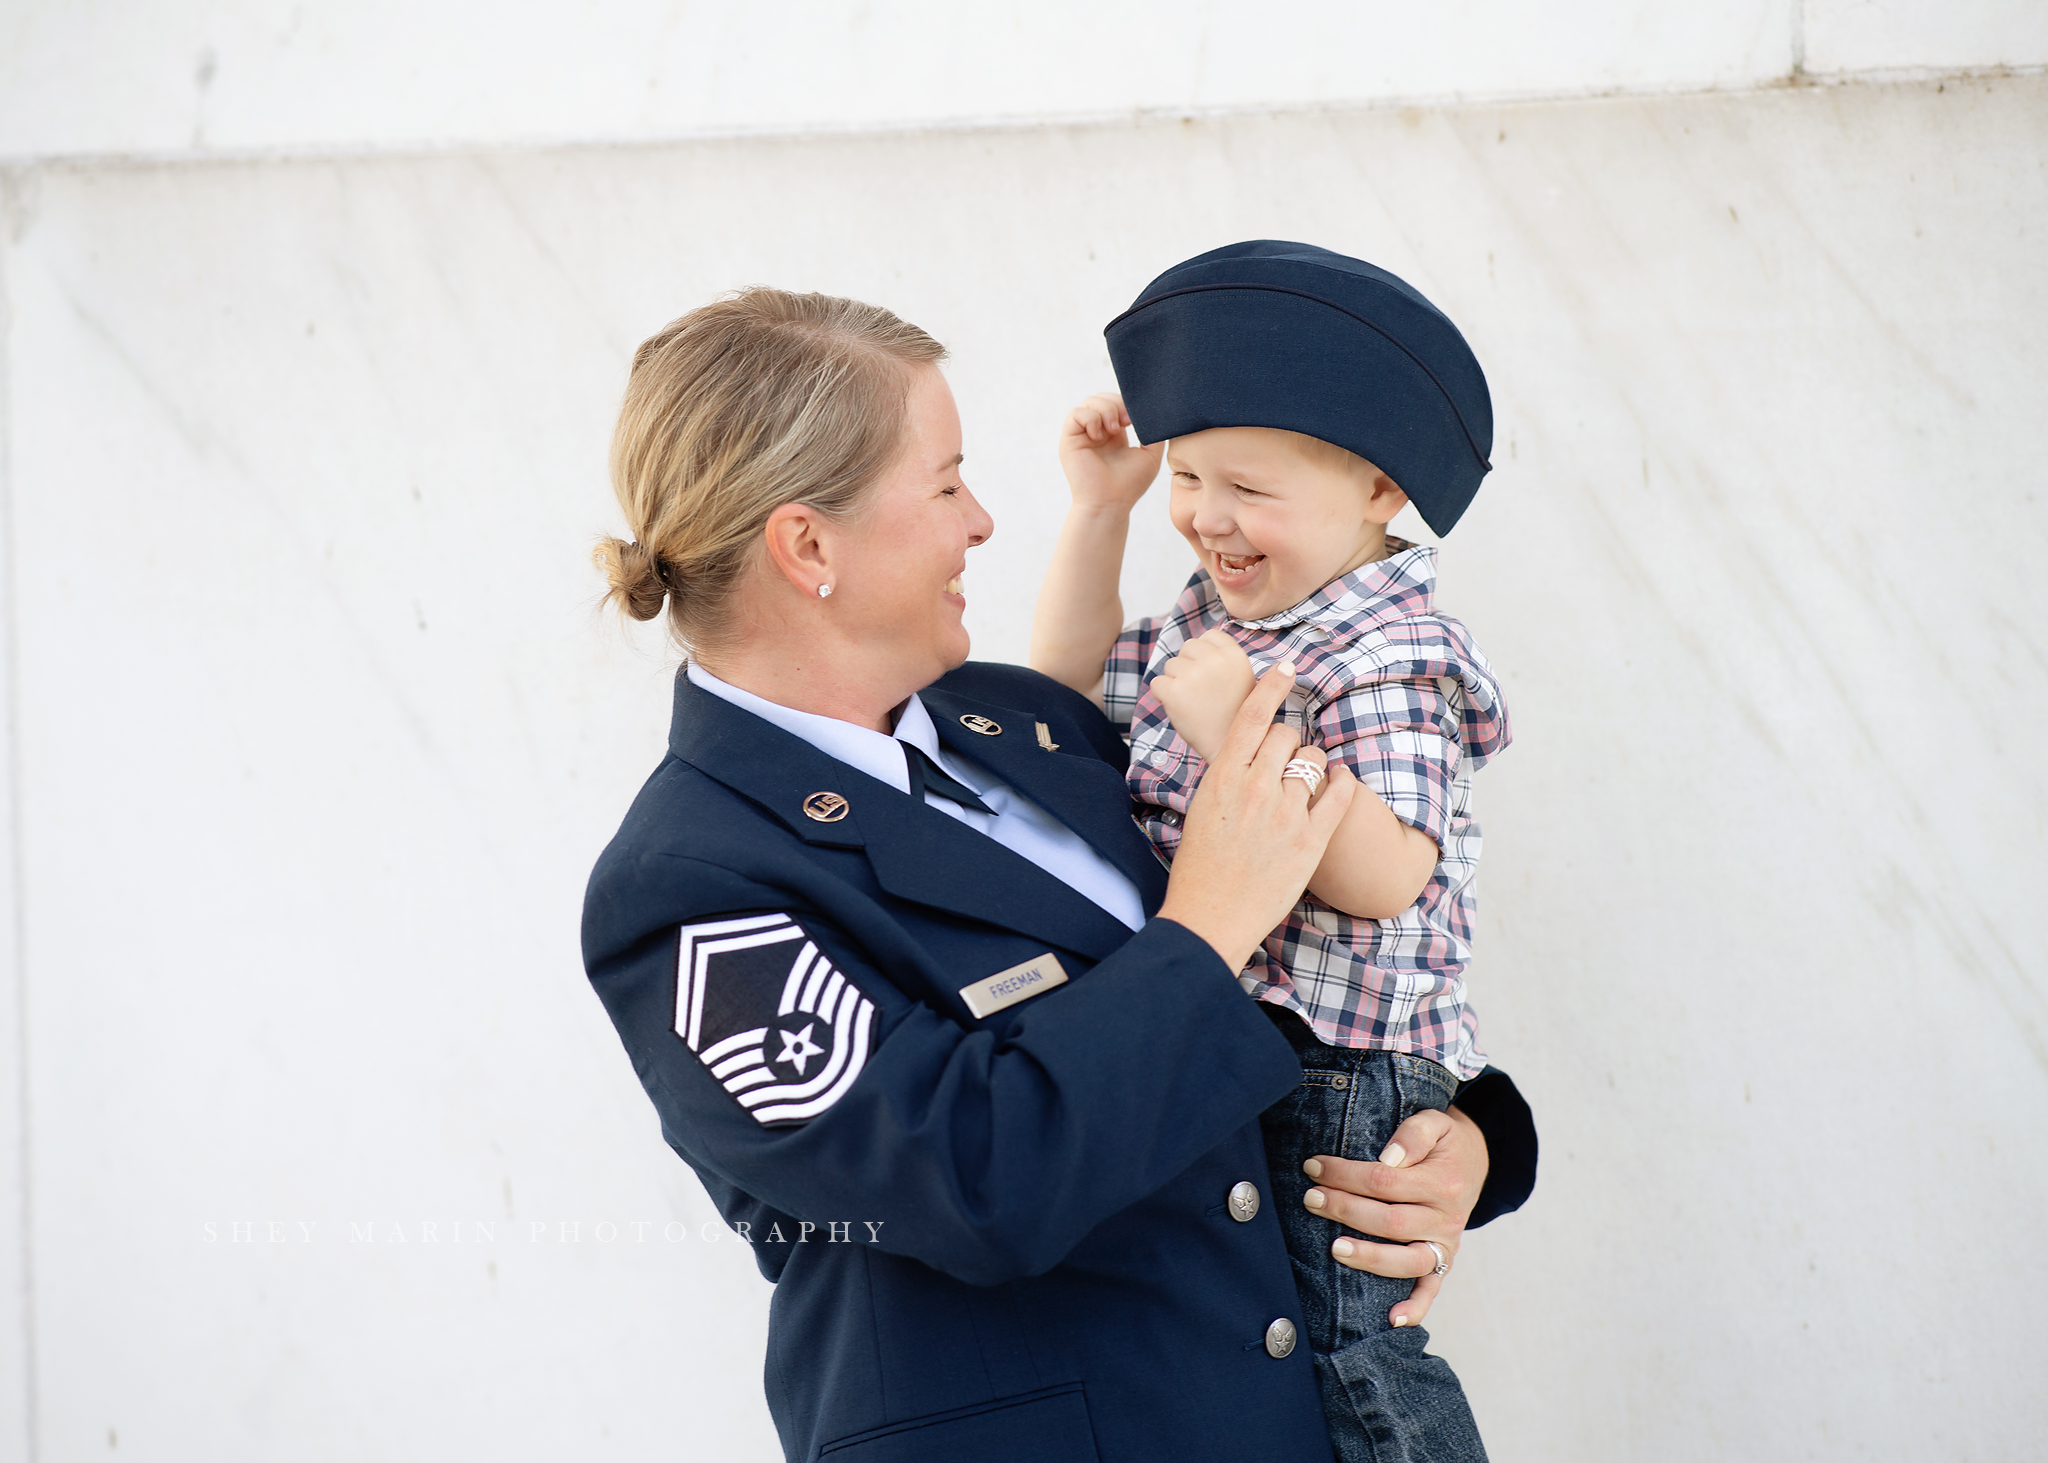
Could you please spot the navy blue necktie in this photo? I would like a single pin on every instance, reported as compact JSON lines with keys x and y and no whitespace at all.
{"x":927,"y":776}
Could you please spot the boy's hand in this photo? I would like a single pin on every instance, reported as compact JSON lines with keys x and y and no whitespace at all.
{"x":1103,"y":469}
{"x":1202,"y":687}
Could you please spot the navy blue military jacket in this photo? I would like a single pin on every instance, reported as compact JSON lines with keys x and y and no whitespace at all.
{"x":1001,"y":1238}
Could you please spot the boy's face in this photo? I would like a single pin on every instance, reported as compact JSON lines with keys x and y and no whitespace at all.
{"x":1275,"y":515}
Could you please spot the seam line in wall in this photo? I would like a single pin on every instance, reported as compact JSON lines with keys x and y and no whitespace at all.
{"x":1796,"y":77}
{"x":10,"y":799}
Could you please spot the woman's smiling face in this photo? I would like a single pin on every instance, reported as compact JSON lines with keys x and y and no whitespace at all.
{"x":1275,"y":516}
{"x":899,"y":589}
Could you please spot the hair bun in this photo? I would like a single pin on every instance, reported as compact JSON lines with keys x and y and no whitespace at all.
{"x":634,"y":577}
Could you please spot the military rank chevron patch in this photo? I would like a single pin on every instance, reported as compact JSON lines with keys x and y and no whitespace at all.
{"x":766,"y":1013}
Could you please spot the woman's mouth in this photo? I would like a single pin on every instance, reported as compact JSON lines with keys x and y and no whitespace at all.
{"x":1233,"y":567}
{"x":953,"y":585}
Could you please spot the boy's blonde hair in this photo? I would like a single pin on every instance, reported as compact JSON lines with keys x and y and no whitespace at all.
{"x":1328,"y":455}
{"x":756,"y":400}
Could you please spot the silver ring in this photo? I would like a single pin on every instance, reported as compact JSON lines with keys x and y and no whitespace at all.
{"x":1443,"y":1266}
{"x":1303,"y":770}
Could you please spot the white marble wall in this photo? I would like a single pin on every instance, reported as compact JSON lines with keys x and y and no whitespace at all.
{"x":1838,"y":36}
{"x":316,"y":729}
{"x":197,"y":76}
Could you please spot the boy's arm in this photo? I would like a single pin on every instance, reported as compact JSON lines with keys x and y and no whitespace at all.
{"x":1400,"y":736}
{"x":1376,"y":865}
{"x":1079,"y":611}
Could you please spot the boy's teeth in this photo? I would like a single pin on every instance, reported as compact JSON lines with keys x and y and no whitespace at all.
{"x":953,"y":585}
{"x":1238,"y":563}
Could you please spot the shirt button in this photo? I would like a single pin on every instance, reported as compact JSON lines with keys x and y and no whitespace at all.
{"x":1244,"y":1202}
{"x":1280,"y":1338}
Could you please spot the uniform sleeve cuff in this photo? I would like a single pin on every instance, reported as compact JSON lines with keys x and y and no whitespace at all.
{"x":1267,"y":1060}
{"x":1492,"y":1101}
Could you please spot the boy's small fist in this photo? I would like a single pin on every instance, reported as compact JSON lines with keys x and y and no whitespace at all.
{"x":1103,"y":469}
{"x":1202,"y":688}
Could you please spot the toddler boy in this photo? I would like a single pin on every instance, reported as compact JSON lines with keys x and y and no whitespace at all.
{"x":1305,"y":398}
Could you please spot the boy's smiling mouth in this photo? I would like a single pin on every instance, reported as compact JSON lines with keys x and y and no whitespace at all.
{"x":1234,"y":568}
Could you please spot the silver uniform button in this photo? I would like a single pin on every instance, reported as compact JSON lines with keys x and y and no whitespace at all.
{"x":1244,"y":1202}
{"x":1280,"y":1338}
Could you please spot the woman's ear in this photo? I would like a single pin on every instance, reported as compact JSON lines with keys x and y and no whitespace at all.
{"x":1383,"y":500}
{"x":796,"y":535}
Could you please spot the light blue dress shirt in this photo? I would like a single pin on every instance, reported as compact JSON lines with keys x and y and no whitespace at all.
{"x":1017,"y":823}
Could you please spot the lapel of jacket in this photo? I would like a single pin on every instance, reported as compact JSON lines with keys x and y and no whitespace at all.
{"x":916,"y":853}
{"x":1082,"y":791}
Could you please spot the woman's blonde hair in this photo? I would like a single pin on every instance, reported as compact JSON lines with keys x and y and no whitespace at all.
{"x":753,"y":401}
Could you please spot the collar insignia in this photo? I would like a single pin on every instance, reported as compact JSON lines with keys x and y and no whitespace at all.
{"x":825,"y":807}
{"x":981,"y":725}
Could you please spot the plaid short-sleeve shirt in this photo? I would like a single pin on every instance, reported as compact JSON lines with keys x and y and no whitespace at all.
{"x":1400,"y":695}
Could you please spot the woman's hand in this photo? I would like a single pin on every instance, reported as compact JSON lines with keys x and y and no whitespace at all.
{"x":1202,"y":687}
{"x":1103,"y":469}
{"x":1423,"y":1188}
{"x":1251,"y":840}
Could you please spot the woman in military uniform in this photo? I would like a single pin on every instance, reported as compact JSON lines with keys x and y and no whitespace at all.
{"x":908,"y":988}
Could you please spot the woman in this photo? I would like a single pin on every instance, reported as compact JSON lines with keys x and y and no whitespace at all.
{"x":906,"y":984}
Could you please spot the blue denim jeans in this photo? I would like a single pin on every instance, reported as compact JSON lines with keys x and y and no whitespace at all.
{"x":1386,"y":1400}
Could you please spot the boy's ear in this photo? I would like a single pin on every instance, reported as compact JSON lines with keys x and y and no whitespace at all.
{"x":1383,"y":500}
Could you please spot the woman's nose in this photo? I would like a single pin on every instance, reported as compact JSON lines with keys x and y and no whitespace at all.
{"x":979,"y":524}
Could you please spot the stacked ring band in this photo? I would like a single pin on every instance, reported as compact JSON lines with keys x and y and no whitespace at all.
{"x":1303,"y":770}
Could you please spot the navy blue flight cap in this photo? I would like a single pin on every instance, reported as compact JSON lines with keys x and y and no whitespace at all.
{"x":1272,"y":334}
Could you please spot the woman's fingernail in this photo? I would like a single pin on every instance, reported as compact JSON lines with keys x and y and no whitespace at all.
{"x":1313,"y":1198}
{"x":1393,"y":1155}
{"x":1400,"y":1320}
{"x":1313,"y":1168}
{"x":1342,"y":1249}
{"x":1285,"y":667}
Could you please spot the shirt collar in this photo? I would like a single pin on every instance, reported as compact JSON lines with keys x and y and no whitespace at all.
{"x":859,"y":748}
{"x":1398,"y":585}
{"x":914,"y":725}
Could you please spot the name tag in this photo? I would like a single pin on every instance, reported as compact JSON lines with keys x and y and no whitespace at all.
{"x":1018,"y":983}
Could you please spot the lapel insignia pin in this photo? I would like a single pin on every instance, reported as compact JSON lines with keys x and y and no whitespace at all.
{"x":1045,"y":737}
{"x":981,"y":724}
{"x":825,"y":807}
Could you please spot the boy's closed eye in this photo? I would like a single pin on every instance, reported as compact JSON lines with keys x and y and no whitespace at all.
{"x":1189,"y":481}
